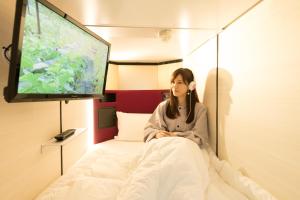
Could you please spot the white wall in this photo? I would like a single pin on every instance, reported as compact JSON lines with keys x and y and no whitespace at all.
{"x":112,"y":80}
{"x":203,"y":64}
{"x":260,"y":112}
{"x":139,"y":77}
{"x":136,"y":77}
{"x":164,"y":74}
{"x":258,"y":94}
{"x":24,"y":127}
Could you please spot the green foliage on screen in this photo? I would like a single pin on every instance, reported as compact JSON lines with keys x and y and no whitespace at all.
{"x":59,"y":57}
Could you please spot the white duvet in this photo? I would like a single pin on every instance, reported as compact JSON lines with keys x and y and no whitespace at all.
{"x":168,"y":168}
{"x":171,"y":168}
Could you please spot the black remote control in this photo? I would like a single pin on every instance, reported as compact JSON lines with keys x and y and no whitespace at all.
{"x":65,"y":134}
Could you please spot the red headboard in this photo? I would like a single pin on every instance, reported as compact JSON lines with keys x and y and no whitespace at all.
{"x":130,"y":101}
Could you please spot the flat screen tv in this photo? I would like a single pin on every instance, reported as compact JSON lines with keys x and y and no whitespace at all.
{"x":53,"y":56}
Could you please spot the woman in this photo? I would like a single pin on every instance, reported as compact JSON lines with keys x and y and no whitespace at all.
{"x":182,"y":114}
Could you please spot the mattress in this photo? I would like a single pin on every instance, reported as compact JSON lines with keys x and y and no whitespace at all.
{"x":113,"y":170}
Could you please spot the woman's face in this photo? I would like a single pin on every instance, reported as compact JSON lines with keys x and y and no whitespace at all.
{"x":178,"y":86}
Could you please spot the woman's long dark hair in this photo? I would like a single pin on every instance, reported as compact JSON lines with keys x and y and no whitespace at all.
{"x":172,"y":104}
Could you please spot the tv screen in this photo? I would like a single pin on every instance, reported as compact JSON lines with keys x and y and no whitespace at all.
{"x":53,"y":56}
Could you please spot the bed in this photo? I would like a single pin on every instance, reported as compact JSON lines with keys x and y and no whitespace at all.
{"x":121,"y":166}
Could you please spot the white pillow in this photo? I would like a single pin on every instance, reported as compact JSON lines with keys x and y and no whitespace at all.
{"x":131,"y":126}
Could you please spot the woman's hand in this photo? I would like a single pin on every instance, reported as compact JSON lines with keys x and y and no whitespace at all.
{"x":164,"y":134}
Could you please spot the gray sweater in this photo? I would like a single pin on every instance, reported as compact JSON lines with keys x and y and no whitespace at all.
{"x":196,"y":131}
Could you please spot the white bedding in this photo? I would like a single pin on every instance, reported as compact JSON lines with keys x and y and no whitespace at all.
{"x":168,"y":169}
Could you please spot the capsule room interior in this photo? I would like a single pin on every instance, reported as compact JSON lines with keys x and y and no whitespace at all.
{"x":245,"y":57}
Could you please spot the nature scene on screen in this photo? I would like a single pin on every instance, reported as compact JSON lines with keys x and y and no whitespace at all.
{"x":58,"y":57}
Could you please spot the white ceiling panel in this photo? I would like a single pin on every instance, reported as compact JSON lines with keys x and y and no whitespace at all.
{"x":133,"y":27}
{"x":151,"y":44}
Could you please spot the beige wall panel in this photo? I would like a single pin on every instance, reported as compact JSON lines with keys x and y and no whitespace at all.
{"x":24,"y":127}
{"x":202,"y":61}
{"x":164,"y":74}
{"x":73,"y":150}
{"x":112,"y":80}
{"x":136,"y":77}
{"x":203,"y":64}
{"x":259,"y":115}
{"x":226,"y":13}
{"x":79,"y":114}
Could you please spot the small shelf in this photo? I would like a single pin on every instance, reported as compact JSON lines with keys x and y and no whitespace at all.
{"x":60,"y":144}
{"x":54,"y":142}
